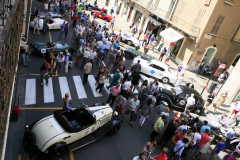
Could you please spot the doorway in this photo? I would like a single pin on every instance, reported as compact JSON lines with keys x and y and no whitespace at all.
{"x":208,"y":56}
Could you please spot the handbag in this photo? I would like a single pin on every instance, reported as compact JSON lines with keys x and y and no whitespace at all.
{"x":133,"y":117}
{"x":105,"y":80}
{"x":190,"y":144}
{"x":173,"y":153}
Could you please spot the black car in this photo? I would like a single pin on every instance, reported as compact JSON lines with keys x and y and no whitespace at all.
{"x":177,"y":97}
{"x":131,"y":53}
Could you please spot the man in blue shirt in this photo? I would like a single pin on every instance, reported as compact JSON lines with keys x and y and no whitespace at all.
{"x":217,"y":149}
{"x":97,"y":38}
{"x":83,"y":44}
{"x":102,"y":47}
{"x":62,"y":27}
{"x":115,"y":45}
{"x":205,"y":126}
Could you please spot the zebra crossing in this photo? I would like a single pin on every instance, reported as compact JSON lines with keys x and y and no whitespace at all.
{"x":64,"y":85}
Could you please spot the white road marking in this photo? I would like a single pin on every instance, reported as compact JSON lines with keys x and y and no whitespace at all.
{"x":92,"y":81}
{"x":105,"y":86}
{"x":30,"y":92}
{"x":64,"y":86}
{"x":79,"y":87}
{"x":48,"y":91}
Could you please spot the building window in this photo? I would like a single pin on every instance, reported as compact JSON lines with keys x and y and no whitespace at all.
{"x":217,"y":24}
{"x":237,"y":35}
{"x":237,"y":97}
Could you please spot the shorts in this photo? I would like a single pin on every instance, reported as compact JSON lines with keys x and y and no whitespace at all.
{"x":197,"y":148}
{"x":213,"y":154}
{"x":133,"y":85}
{"x":109,"y":65}
{"x":234,"y":111}
{"x":129,"y":111}
{"x":167,"y":59}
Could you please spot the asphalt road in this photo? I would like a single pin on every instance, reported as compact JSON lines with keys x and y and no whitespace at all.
{"x":123,"y":146}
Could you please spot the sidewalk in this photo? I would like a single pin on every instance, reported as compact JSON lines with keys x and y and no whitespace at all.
{"x":199,"y":82}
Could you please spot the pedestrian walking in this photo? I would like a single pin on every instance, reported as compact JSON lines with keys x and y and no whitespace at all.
{"x":137,"y":67}
{"x":154,"y":44}
{"x":158,"y":126}
{"x":66,"y":30}
{"x":86,"y":56}
{"x":169,"y":132}
{"x":162,"y":155}
{"x":113,"y":22}
{"x":78,"y":54}
{"x":27,"y":52}
{"x":62,"y":28}
{"x":161,"y":44}
{"x":187,"y":146}
{"x":217,"y":149}
{"x":179,"y":69}
{"x":222,"y":119}
{"x":233,"y":156}
{"x":144,"y":94}
{"x":190,"y":102}
{"x":160,"y":108}
{"x":22,"y":56}
{"x":98,"y":74}
{"x":119,"y":37}
{"x":93,"y":55}
{"x":75,"y":18}
{"x":45,"y":26}
{"x":169,"y":55}
{"x":67,"y":56}
{"x":127,"y":74}
{"x":146,"y":48}
{"x":121,"y":103}
{"x":45,"y":7}
{"x":140,"y":157}
{"x":66,"y":103}
{"x":140,"y":32}
{"x":218,"y":103}
{"x":60,"y":59}
{"x":114,"y":92}
{"x":152,"y":39}
{"x":144,"y":85}
{"x":149,"y":36}
{"x":145,"y":112}
{"x":197,"y":148}
{"x":103,"y":77}
{"x":116,"y":77}
{"x":131,"y":25}
{"x":178,"y":149}
{"x":134,"y":31}
{"x":145,"y":38}
{"x":154,"y":88}
{"x":164,"y":51}
{"x":149,"y":147}
{"x":36,"y":25}
{"x":137,"y":46}
{"x":87,"y":71}
{"x":45,"y":71}
{"x":111,"y":11}
{"x":179,"y":80}
{"x":236,"y":119}
{"x":133,"y":105}
{"x":51,"y":6}
{"x":56,"y":5}
{"x":135,"y":80}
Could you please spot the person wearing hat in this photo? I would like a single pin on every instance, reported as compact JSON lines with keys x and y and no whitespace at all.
{"x":162,"y":155}
{"x":86,"y":56}
{"x":121,"y":103}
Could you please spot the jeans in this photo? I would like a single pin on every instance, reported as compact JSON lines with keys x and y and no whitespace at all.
{"x":198,"y":71}
{"x":153,"y":48}
{"x":84,"y":61}
{"x":163,"y":141}
{"x":159,"y":48}
{"x":99,"y":57}
{"x":169,"y":152}
{"x":235,"y":120}
{"x":107,"y":50}
{"x":23,"y":59}
{"x":100,"y":86}
{"x":144,"y":41}
{"x":111,"y":97}
{"x":46,"y":76}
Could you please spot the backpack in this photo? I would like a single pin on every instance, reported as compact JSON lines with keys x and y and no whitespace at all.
{"x":125,"y":76}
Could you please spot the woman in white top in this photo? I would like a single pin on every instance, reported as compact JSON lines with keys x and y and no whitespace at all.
{"x":45,"y":7}
{"x":189,"y":136}
{"x":101,"y":82}
{"x":144,"y":85}
{"x":51,"y":7}
{"x":140,"y":157}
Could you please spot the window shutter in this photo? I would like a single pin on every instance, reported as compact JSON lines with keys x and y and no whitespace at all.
{"x":217,"y":24}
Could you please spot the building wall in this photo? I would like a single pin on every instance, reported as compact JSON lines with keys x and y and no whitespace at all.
{"x":232,"y":84}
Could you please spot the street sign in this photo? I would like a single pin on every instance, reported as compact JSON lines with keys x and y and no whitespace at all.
{"x":220,"y":68}
{"x":206,"y":85}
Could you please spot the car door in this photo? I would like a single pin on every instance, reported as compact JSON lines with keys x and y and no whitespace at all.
{"x":156,"y":71}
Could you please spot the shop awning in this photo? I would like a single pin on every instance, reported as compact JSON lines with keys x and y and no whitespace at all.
{"x":171,"y":35}
{"x":154,"y":21}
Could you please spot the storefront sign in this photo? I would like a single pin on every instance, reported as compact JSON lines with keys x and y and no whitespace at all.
{"x":219,"y":70}
{"x":171,"y":35}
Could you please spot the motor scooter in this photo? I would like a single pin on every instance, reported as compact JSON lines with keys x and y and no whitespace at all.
{"x":207,"y":70}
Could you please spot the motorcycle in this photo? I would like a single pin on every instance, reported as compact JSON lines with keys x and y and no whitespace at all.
{"x":207,"y":70}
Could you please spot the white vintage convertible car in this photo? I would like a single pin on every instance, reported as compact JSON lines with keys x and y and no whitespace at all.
{"x":156,"y":69}
{"x":52,"y":136}
{"x":53,"y":23}
{"x":129,"y":40}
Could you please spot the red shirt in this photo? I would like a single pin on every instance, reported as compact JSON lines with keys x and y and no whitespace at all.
{"x":175,"y":118}
{"x":178,"y":136}
{"x":161,"y":157}
{"x":72,"y":7}
{"x":204,"y":139}
{"x":46,"y":64}
{"x":75,"y":17}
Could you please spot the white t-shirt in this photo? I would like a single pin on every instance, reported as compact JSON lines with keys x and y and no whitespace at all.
{"x":46,"y":6}
{"x":127,"y":71}
{"x":113,"y":20}
{"x":126,"y":85}
{"x":108,"y":44}
{"x":92,"y":54}
{"x":86,"y":54}
{"x":99,"y":43}
{"x":166,"y":114}
{"x":104,"y":39}
{"x":153,"y":98}
{"x":179,"y":81}
{"x":190,"y":101}
{"x":196,"y":137}
{"x":136,"y":158}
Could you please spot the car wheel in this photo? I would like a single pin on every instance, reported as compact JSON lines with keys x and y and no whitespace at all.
{"x":129,"y":43}
{"x":165,"y":80}
{"x":198,"y":111}
{"x":58,"y":153}
{"x":114,"y":129}
{"x":29,"y":141}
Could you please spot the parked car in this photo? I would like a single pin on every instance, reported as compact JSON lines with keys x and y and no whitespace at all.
{"x":129,"y":40}
{"x":177,"y":97}
{"x":131,"y":53}
{"x":53,"y":23}
{"x":53,"y":135}
{"x":102,"y":15}
{"x":156,"y":69}
{"x":49,"y":14}
{"x":91,"y":7}
{"x":43,"y":49}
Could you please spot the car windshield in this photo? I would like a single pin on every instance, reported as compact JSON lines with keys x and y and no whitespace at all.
{"x":138,"y":53}
{"x":178,"y":90}
{"x":127,"y":36}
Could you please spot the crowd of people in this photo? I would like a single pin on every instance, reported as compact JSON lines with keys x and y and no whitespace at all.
{"x":95,"y":42}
